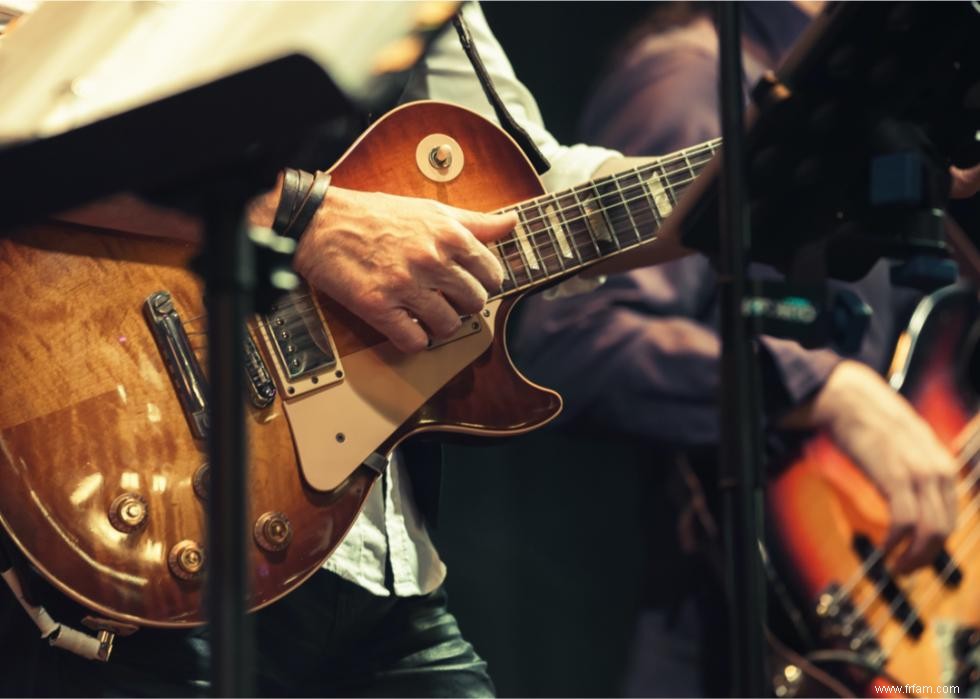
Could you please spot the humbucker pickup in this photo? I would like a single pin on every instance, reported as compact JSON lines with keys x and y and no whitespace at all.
{"x":302,"y":344}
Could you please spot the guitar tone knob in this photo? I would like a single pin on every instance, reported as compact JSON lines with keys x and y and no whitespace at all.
{"x":202,"y":481}
{"x":186,"y":560}
{"x":272,"y":531}
{"x":128,"y":512}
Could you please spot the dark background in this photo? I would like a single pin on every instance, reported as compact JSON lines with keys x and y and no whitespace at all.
{"x":559,"y":50}
{"x":543,"y":535}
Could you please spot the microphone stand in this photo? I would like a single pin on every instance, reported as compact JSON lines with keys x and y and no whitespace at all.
{"x":741,"y":461}
{"x":230,"y":281}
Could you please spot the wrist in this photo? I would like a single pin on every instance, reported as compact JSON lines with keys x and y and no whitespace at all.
{"x":846,"y":387}
{"x":300,"y":197}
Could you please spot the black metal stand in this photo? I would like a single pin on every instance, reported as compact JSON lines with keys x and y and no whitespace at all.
{"x":229,"y":274}
{"x":741,"y":418}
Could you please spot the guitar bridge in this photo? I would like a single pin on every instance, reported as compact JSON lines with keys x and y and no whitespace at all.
{"x":181,"y":362}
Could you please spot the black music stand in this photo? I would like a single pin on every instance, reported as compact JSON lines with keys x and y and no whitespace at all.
{"x":846,"y":154}
{"x":197,"y":151}
{"x":208,"y":150}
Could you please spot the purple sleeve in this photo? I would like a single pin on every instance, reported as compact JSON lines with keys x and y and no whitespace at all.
{"x":618,"y":365}
{"x":640,"y":355}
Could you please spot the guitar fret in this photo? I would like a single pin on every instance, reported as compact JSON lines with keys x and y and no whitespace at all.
{"x":642,"y":210}
{"x":584,"y":216}
{"x":515,"y":261}
{"x":559,"y":233}
{"x":657,"y":194}
{"x":526,"y":248}
{"x":626,"y":205}
{"x":598,"y":223}
{"x":675,"y":179}
{"x":508,"y":273}
{"x":567,"y":230}
{"x":537,"y":239}
{"x":545,"y":223}
{"x":571,"y":226}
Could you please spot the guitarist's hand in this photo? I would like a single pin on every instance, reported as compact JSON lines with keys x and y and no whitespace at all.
{"x":390,"y":259}
{"x":901,"y":454}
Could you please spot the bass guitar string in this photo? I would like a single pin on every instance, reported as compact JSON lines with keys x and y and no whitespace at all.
{"x":973,"y":534}
{"x":970,"y":439}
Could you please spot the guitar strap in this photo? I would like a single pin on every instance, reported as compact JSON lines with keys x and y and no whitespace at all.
{"x":507,"y":121}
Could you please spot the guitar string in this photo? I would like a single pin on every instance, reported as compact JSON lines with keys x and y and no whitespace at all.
{"x":969,"y":452}
{"x":542,"y":204}
{"x":544,"y":255}
{"x":912,"y":581}
{"x":973,"y":506}
{"x":545,"y":251}
{"x":684,"y":155}
{"x":963,"y":487}
{"x":937,"y":586}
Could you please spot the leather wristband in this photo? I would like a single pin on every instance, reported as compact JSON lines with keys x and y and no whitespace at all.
{"x":301,"y":196}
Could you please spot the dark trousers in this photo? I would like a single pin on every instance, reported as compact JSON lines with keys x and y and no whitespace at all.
{"x":328,"y":638}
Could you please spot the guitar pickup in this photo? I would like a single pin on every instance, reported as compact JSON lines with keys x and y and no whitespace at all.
{"x":898,"y":602}
{"x":304,"y":354}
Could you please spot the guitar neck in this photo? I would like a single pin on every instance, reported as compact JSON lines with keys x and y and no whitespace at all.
{"x":563,"y":232}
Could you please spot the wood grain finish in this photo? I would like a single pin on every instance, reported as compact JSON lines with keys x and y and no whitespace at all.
{"x":88,"y":411}
{"x":823,"y":500}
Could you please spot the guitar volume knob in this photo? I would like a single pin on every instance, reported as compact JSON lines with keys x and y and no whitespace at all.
{"x":273,"y":531}
{"x":441,"y":156}
{"x":186,"y":560}
{"x":201,"y":481}
{"x":128,"y":512}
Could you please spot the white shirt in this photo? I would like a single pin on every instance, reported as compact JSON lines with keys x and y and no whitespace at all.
{"x":389,"y":527}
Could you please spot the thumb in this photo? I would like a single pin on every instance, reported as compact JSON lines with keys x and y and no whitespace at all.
{"x":487,"y":227}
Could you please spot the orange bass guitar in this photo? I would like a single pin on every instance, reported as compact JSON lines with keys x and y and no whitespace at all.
{"x":919,"y":632}
{"x":103,"y":406}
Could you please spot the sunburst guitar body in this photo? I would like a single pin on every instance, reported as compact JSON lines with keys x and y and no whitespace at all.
{"x":881,"y":631}
{"x":104,"y":479}
{"x":103,"y":407}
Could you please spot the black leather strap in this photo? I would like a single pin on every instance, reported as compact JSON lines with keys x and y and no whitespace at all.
{"x":302,"y":193}
{"x":287,"y":195}
{"x":308,"y":206}
{"x":508,"y":122}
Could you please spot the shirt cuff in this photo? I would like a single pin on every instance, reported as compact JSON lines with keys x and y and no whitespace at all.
{"x":791,"y":374}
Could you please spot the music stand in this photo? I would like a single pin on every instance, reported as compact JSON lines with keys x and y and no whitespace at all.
{"x":864,"y":116}
{"x":199,"y":106}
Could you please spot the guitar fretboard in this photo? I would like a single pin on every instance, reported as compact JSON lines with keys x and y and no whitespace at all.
{"x":562,"y":232}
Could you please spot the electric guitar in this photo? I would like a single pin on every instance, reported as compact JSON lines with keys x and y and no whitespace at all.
{"x":879,"y":630}
{"x":104,"y":407}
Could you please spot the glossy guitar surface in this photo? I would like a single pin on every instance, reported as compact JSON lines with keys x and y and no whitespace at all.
{"x":104,"y":479}
{"x":921,"y":629}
